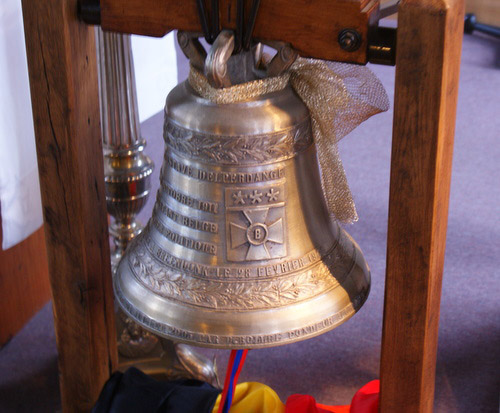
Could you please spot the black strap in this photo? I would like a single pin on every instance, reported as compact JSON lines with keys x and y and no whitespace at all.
{"x":240,"y":25}
{"x":243,"y":34}
{"x":251,"y":24}
{"x":215,"y":21}
{"x":202,"y":12}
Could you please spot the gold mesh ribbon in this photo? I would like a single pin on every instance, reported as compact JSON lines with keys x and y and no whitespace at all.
{"x":339,"y":97}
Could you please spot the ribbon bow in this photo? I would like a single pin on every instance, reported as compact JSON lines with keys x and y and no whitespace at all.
{"x":339,"y":97}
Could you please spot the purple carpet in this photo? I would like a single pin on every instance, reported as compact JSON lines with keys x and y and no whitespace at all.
{"x":333,"y":366}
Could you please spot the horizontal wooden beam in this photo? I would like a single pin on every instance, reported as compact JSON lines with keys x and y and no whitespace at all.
{"x":311,"y":26}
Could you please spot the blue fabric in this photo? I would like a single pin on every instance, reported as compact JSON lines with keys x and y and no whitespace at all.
{"x":229,"y":398}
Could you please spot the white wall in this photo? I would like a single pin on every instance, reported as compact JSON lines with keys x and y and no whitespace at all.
{"x":155,"y":72}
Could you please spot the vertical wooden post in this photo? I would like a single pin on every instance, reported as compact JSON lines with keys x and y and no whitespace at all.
{"x":427,"y":69}
{"x":63,"y":79}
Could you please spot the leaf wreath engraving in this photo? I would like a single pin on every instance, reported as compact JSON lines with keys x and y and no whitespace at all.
{"x":171,"y":283}
{"x":238,"y":149}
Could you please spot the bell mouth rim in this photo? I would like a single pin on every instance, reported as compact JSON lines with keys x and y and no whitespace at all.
{"x":276,"y":338}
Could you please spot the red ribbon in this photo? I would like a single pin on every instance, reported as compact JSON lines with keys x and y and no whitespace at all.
{"x":364,"y":401}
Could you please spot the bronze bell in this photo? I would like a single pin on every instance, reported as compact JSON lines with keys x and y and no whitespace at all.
{"x":240,"y":251}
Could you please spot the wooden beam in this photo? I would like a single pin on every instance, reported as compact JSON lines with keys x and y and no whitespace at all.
{"x":63,"y":80}
{"x":427,"y":69}
{"x":24,"y":283}
{"x":311,"y":26}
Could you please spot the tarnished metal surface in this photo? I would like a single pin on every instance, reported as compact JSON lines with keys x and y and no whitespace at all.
{"x":240,"y":250}
{"x":127,"y":179}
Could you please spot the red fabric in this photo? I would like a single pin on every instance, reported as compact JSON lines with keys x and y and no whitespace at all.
{"x":226,"y":381}
{"x":237,"y":375}
{"x":301,"y":403}
{"x":333,"y":409}
{"x":364,"y":401}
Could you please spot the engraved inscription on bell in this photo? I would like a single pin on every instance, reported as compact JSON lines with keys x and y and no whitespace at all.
{"x":255,"y":222}
{"x":240,"y":251}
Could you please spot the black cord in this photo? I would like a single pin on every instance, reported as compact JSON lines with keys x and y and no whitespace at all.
{"x":240,"y":23}
{"x":203,"y":19}
{"x":215,"y":20}
{"x":243,"y":34}
{"x":251,"y":24}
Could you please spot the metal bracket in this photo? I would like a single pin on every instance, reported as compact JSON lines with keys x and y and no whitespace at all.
{"x":471,"y":25}
{"x":283,"y":59}
{"x":216,"y":62}
{"x":89,"y":11}
{"x":192,"y":48}
{"x":382,"y":46}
